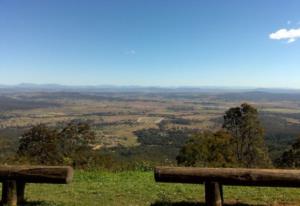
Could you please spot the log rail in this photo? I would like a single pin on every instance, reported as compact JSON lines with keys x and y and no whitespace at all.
{"x":14,"y":179}
{"x":214,"y":178}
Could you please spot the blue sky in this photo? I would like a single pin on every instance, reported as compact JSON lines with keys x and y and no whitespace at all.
{"x":159,"y":42}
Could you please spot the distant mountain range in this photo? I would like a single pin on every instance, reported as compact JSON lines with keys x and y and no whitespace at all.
{"x":28,"y":87}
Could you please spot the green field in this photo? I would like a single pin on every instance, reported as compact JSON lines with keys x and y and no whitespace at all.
{"x":139,"y":188}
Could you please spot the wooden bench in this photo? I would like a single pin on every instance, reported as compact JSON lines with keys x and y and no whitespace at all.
{"x":14,"y":179}
{"x":214,"y":178}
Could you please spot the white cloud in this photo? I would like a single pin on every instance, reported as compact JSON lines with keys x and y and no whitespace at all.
{"x":291,"y":35}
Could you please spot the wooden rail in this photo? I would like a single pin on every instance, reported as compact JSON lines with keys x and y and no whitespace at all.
{"x":14,"y":179}
{"x":214,"y":178}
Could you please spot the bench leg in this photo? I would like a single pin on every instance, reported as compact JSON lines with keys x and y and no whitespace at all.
{"x":4,"y":192}
{"x":20,"y":192}
{"x":9,"y":193}
{"x":213,"y":194}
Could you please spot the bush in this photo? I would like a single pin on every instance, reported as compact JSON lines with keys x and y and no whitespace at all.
{"x":208,"y":149}
{"x":72,"y":145}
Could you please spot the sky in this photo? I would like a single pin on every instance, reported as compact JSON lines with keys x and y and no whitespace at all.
{"x":232,"y":43}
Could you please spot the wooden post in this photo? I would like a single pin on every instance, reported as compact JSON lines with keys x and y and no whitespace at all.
{"x":213,"y":194}
{"x":9,"y":193}
{"x":4,"y":192}
{"x":21,"y":192}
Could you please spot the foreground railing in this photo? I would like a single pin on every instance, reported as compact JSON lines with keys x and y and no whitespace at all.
{"x":214,"y":178}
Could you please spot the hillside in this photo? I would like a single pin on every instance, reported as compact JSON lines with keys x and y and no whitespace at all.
{"x":119,"y":116}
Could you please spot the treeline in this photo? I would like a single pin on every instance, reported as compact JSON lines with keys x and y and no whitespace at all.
{"x":163,"y":137}
{"x":240,"y":142}
{"x":280,"y":133}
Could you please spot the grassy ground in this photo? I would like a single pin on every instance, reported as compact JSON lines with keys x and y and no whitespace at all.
{"x":139,"y":188}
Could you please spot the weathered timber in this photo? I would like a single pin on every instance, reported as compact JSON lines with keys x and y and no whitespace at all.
{"x":229,"y":176}
{"x":37,"y":174}
{"x":12,"y":193}
{"x":213,"y":194}
{"x":14,"y":178}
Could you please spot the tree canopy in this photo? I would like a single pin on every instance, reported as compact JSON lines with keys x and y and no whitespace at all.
{"x":46,"y":145}
{"x":244,"y":125}
{"x":207,"y":149}
{"x":239,"y":143}
{"x":291,"y":157}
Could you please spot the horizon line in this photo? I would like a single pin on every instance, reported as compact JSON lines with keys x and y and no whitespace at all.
{"x":146,"y":86}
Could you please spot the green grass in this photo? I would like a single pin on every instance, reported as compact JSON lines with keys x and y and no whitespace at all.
{"x":139,"y":188}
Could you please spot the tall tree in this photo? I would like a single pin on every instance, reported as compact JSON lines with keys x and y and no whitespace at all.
{"x":244,"y":125}
{"x":76,"y":141}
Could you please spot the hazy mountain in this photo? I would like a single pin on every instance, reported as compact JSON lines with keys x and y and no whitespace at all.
{"x":29,"y":87}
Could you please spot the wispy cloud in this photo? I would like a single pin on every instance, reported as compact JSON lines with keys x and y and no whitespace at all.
{"x":282,"y":34}
{"x":130,"y":52}
{"x":291,"y":40}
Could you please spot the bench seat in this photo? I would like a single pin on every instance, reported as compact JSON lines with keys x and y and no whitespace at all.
{"x":14,"y":179}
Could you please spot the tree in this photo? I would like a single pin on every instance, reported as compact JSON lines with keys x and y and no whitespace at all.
{"x":70,"y":145}
{"x":40,"y":144}
{"x":248,"y":134}
{"x":291,"y":157}
{"x":208,"y":149}
{"x":76,"y":141}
